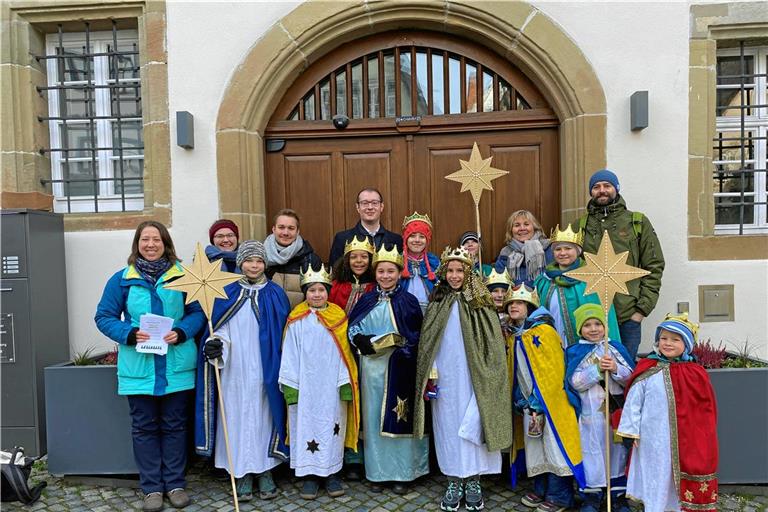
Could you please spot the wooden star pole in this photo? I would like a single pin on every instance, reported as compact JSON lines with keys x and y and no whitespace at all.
{"x":606,"y":273}
{"x":476,"y":175}
{"x":204,"y":282}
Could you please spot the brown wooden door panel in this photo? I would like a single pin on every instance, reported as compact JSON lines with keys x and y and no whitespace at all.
{"x":309,"y":191}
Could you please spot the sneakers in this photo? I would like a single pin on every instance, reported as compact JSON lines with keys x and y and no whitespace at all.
{"x":267,"y":487}
{"x":452,"y":498}
{"x":548,"y":506}
{"x":309,"y":489}
{"x":178,"y":498}
{"x":333,"y":486}
{"x":532,"y":500}
{"x":244,"y":487}
{"x":473,"y":495}
{"x":153,"y":502}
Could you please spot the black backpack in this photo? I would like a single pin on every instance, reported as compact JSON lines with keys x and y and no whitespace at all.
{"x":15,"y":469}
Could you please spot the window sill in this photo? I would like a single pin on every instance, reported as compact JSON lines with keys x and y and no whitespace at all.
{"x":728,"y":247}
{"x":108,"y":221}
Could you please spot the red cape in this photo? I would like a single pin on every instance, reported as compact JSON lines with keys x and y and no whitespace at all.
{"x":694,"y":437}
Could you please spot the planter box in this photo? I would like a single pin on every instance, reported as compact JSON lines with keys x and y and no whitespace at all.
{"x":89,"y":424}
{"x":742,"y":424}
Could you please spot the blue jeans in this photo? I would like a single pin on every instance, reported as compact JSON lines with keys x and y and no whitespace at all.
{"x":630,"y":336}
{"x":553,"y":488}
{"x":618,"y":488}
{"x":159,"y":426}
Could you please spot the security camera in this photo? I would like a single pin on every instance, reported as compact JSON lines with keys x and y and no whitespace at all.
{"x":340,"y":121}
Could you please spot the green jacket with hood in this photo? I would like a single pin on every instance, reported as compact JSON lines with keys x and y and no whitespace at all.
{"x":632,"y":232}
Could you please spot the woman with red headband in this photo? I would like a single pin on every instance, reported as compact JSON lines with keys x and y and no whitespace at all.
{"x":419,"y":276}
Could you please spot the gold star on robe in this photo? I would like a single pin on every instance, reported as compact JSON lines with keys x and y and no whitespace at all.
{"x":704,"y":487}
{"x":203,"y":281}
{"x":476,"y":174}
{"x":689,"y":495}
{"x":401,"y":409}
{"x":606,"y":273}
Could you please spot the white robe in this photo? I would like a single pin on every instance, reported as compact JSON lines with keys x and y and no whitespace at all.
{"x":646,"y":417}
{"x":249,"y":419}
{"x":317,"y":425}
{"x":461,"y":450}
{"x":586,"y":380}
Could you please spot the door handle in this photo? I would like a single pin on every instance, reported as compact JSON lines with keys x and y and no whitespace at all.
{"x":6,"y":289}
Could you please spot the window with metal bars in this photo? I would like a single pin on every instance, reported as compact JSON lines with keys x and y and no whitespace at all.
{"x":740,"y":151}
{"x":408,"y":81}
{"x":95,"y":120}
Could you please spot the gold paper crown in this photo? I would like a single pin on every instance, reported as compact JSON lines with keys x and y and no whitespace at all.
{"x":457,"y":254}
{"x":683,"y":319}
{"x":359,"y":245}
{"x":392,"y":256}
{"x":311,"y":277}
{"x":522,"y":292}
{"x":567,"y":236}
{"x":498,"y":278}
{"x":417,"y":216}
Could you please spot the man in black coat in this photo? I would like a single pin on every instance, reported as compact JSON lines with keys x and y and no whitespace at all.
{"x":370,"y":205}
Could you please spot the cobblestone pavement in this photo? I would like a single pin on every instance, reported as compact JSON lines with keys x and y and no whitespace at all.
{"x":212,"y":494}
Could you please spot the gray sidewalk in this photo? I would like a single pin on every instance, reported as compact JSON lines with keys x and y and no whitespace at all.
{"x":212,"y":494}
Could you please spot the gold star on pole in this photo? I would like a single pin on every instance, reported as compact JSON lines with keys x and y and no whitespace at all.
{"x":606,"y":273}
{"x":203,"y":281}
{"x":476,"y":174}
{"x":401,"y":409}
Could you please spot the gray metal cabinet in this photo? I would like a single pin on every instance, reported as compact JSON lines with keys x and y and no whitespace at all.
{"x":33,"y":314}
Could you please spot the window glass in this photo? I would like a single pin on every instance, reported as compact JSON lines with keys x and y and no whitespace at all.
{"x":373,"y":87}
{"x":454,"y":85}
{"x":438,"y":87}
{"x":421,"y":83}
{"x":471,"y":87}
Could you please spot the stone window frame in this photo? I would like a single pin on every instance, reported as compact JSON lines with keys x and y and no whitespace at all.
{"x":713,"y":24}
{"x":24,"y":27}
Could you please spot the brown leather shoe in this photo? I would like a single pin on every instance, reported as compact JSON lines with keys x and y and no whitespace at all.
{"x":153,"y":502}
{"x":179,"y":498}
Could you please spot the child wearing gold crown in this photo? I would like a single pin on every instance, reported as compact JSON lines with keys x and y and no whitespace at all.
{"x":548,"y":429}
{"x":461,"y":356}
{"x":586,"y":364}
{"x":419,"y":276}
{"x":498,"y":283}
{"x":560,"y":294}
{"x":353,"y":273}
{"x":318,"y":377}
{"x":671,"y":415}
{"x":384,"y":329}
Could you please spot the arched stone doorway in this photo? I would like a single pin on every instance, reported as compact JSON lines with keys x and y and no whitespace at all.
{"x":516,"y":31}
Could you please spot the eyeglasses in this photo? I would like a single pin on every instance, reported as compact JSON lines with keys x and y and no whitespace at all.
{"x":366,"y":204}
{"x":222,"y":237}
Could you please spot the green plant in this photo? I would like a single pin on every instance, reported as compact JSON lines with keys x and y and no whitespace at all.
{"x":84,"y":357}
{"x":743,"y":359}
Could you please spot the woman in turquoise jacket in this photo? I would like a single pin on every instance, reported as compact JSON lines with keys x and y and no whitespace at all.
{"x":157,"y":386}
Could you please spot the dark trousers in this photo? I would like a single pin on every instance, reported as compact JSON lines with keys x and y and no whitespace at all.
{"x":159,"y":426}
{"x":630,"y":336}
{"x":553,"y":488}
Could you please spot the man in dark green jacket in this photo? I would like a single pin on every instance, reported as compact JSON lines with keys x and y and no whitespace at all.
{"x":632,"y":232}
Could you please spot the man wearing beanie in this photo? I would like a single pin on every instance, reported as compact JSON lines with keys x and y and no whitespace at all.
{"x":632,"y":232}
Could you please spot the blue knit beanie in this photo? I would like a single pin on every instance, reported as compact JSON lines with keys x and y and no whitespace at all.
{"x":604,"y":175}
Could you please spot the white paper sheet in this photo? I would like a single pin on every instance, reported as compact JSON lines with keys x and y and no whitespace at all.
{"x":156,"y":326}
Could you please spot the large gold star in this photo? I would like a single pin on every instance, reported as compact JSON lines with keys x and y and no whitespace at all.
{"x":401,"y":409}
{"x":606,"y":273}
{"x":476,"y":174}
{"x":203,"y":281}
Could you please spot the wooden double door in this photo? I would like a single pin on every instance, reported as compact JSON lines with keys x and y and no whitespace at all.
{"x":320,"y":178}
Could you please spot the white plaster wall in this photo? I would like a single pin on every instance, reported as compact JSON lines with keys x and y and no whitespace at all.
{"x":207,"y":40}
{"x":644,"y":46}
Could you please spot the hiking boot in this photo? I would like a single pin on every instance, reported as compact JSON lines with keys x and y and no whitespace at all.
{"x":548,"y":506}
{"x":399,"y":488}
{"x":452,"y":498}
{"x":153,"y":502}
{"x":333,"y":486}
{"x":532,"y":500}
{"x":309,"y":489}
{"x":244,"y":487}
{"x":267,"y":487}
{"x":179,"y":498}
{"x":473,"y":495}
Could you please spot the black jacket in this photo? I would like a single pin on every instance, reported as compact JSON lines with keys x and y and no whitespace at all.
{"x":382,"y":236}
{"x":300,"y":261}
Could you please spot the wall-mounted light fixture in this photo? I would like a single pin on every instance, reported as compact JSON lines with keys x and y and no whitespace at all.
{"x":638,"y":110}
{"x":185,"y":130}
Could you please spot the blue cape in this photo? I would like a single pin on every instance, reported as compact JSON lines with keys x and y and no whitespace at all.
{"x":273,"y":312}
{"x":401,"y":372}
{"x":434,"y":263}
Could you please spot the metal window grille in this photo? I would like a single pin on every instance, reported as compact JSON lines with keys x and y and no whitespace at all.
{"x":95,"y":120}
{"x":740,"y":154}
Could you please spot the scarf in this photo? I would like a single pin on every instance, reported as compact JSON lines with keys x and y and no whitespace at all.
{"x":279,"y":255}
{"x":531,"y":252}
{"x":556,"y":274}
{"x":229,"y":257}
{"x":152,"y":270}
{"x":249,"y":282}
